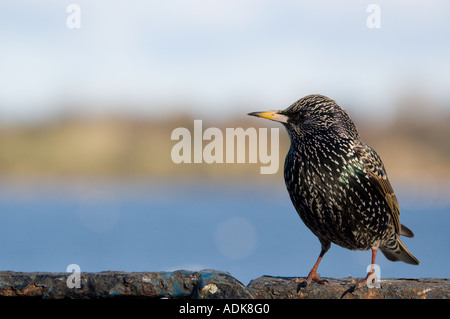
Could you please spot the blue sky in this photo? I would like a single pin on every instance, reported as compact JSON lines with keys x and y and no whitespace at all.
{"x":218,"y":57}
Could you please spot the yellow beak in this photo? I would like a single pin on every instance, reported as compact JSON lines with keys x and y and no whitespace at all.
{"x":271,"y":115}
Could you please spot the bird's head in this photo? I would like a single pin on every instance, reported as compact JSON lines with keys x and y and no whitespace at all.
{"x":313,"y":115}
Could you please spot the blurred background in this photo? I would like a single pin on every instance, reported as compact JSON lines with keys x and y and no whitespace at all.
{"x":86,"y":116}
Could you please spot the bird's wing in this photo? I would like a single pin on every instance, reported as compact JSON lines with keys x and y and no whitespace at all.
{"x":377,"y":175}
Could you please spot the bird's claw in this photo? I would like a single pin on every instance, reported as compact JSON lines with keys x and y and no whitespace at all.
{"x":313,"y":276}
{"x":370,"y":278}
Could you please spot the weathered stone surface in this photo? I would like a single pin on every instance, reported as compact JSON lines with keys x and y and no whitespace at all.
{"x":206,"y":284}
{"x":216,"y":285}
{"x":110,"y":284}
{"x":286,"y":288}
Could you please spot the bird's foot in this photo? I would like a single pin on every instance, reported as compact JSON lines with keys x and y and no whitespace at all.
{"x":369,"y":281}
{"x":313,"y":276}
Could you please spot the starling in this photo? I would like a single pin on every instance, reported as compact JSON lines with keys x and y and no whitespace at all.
{"x":338,"y":184}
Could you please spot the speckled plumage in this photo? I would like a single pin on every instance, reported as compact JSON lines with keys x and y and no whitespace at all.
{"x":337,"y":183}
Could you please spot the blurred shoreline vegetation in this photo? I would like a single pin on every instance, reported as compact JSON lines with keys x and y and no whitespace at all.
{"x":414,"y":145}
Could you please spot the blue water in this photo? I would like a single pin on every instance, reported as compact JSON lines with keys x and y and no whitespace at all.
{"x":244,"y":228}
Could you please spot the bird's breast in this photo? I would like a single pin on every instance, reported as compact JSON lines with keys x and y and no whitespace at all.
{"x":327,"y":185}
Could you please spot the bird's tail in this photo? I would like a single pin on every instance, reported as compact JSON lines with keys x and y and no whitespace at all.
{"x":398,"y":252}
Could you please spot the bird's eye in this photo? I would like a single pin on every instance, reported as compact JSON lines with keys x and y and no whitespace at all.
{"x":299,"y":117}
